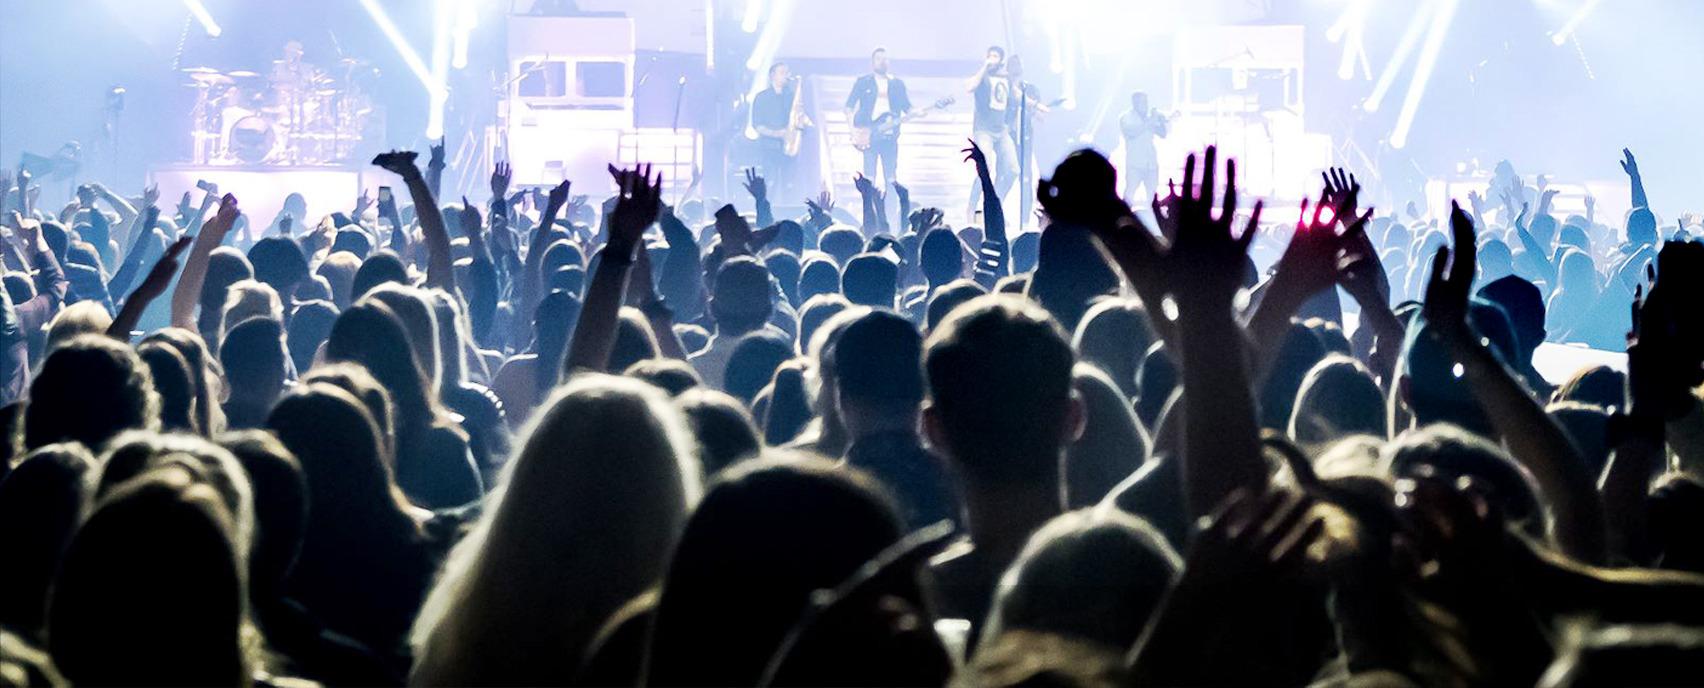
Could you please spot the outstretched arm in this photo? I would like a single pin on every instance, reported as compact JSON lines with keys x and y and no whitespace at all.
{"x":759,"y":190}
{"x":1631,"y":167}
{"x":435,"y":170}
{"x":151,"y":288}
{"x":188,"y":292}
{"x":440,"y":270}
{"x":990,"y":270}
{"x":132,"y":264}
{"x":594,"y":334}
{"x":1533,"y":439}
{"x":1221,"y":430}
{"x":1309,"y":264}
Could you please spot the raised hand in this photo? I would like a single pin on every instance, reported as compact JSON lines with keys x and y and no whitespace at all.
{"x":1253,"y":538}
{"x":903,"y":193}
{"x":636,"y":208}
{"x":150,"y":195}
{"x":501,"y":173}
{"x":472,"y":226}
{"x":362,"y":203}
{"x":925,"y":220}
{"x":224,"y":219}
{"x":1316,"y":254}
{"x":1342,"y":191}
{"x":186,"y":205}
{"x":974,"y":154}
{"x":27,"y":232}
{"x":1629,"y":164}
{"x":398,"y":162}
{"x":1447,"y":292}
{"x":864,"y":186}
{"x":1206,"y":259}
{"x":557,"y":198}
{"x":755,"y":185}
{"x":160,"y":276}
{"x":437,"y":152}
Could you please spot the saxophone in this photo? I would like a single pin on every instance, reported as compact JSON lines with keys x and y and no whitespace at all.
{"x":796,"y":121}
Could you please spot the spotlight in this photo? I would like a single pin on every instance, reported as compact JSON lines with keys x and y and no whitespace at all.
{"x":768,"y":43}
{"x":467,"y":19}
{"x":202,"y":15}
{"x":753,"y":11}
{"x":1567,"y":31}
{"x":409,"y":56}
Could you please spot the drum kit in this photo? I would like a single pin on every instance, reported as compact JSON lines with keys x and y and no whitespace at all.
{"x":292,"y":117}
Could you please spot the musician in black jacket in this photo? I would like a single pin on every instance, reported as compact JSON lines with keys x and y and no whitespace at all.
{"x":875,"y":95}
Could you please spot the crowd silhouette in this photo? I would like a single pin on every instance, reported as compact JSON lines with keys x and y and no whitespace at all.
{"x":547,"y":440}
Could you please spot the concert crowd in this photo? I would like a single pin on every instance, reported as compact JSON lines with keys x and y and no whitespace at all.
{"x":538,"y":438}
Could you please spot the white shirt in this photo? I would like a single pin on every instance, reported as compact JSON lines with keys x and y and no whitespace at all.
{"x":881,"y":107}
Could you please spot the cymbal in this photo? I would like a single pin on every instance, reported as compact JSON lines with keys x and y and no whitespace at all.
{"x":210,"y":78}
{"x":243,"y":74}
{"x":199,"y":70}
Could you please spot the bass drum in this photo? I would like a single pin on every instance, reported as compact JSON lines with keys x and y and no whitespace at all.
{"x":253,"y":139}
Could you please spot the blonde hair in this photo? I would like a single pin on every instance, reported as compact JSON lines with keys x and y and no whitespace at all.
{"x":249,"y":299}
{"x":583,"y":520}
{"x":82,"y":317}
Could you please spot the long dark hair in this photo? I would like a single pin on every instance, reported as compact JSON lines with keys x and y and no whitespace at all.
{"x":370,"y":334}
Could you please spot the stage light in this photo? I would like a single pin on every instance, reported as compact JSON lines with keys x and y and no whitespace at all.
{"x":409,"y":56}
{"x":1562,"y":35}
{"x":768,"y":43}
{"x":206,"y":18}
{"x":1404,"y":48}
{"x":467,"y":19}
{"x":442,"y":15}
{"x":1351,"y":28}
{"x":753,"y":11}
{"x":1423,"y":71}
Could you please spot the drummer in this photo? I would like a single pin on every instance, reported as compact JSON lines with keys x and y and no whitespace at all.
{"x":291,"y":77}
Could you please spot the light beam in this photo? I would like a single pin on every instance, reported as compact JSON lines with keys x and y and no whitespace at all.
{"x":206,"y":18}
{"x":1398,"y":58}
{"x":1423,"y":72}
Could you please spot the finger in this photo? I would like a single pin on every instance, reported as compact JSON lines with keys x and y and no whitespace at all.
{"x":1292,"y":549}
{"x":1234,"y":504}
{"x":1253,"y":226}
{"x":1466,"y":258}
{"x":1281,"y":520}
{"x":1209,"y":176}
{"x":1189,"y":177}
{"x":1230,"y":208}
{"x":1326,"y":177}
{"x":1255,"y":517}
{"x":1302,"y":217}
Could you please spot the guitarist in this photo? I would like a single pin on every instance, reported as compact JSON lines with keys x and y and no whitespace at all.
{"x":772,"y":119}
{"x":874,"y":95}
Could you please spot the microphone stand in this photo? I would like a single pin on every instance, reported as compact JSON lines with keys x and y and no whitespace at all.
{"x":674,"y":143}
{"x":1023,"y":156}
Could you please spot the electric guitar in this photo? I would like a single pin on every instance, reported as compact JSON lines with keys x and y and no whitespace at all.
{"x":887,"y":126}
